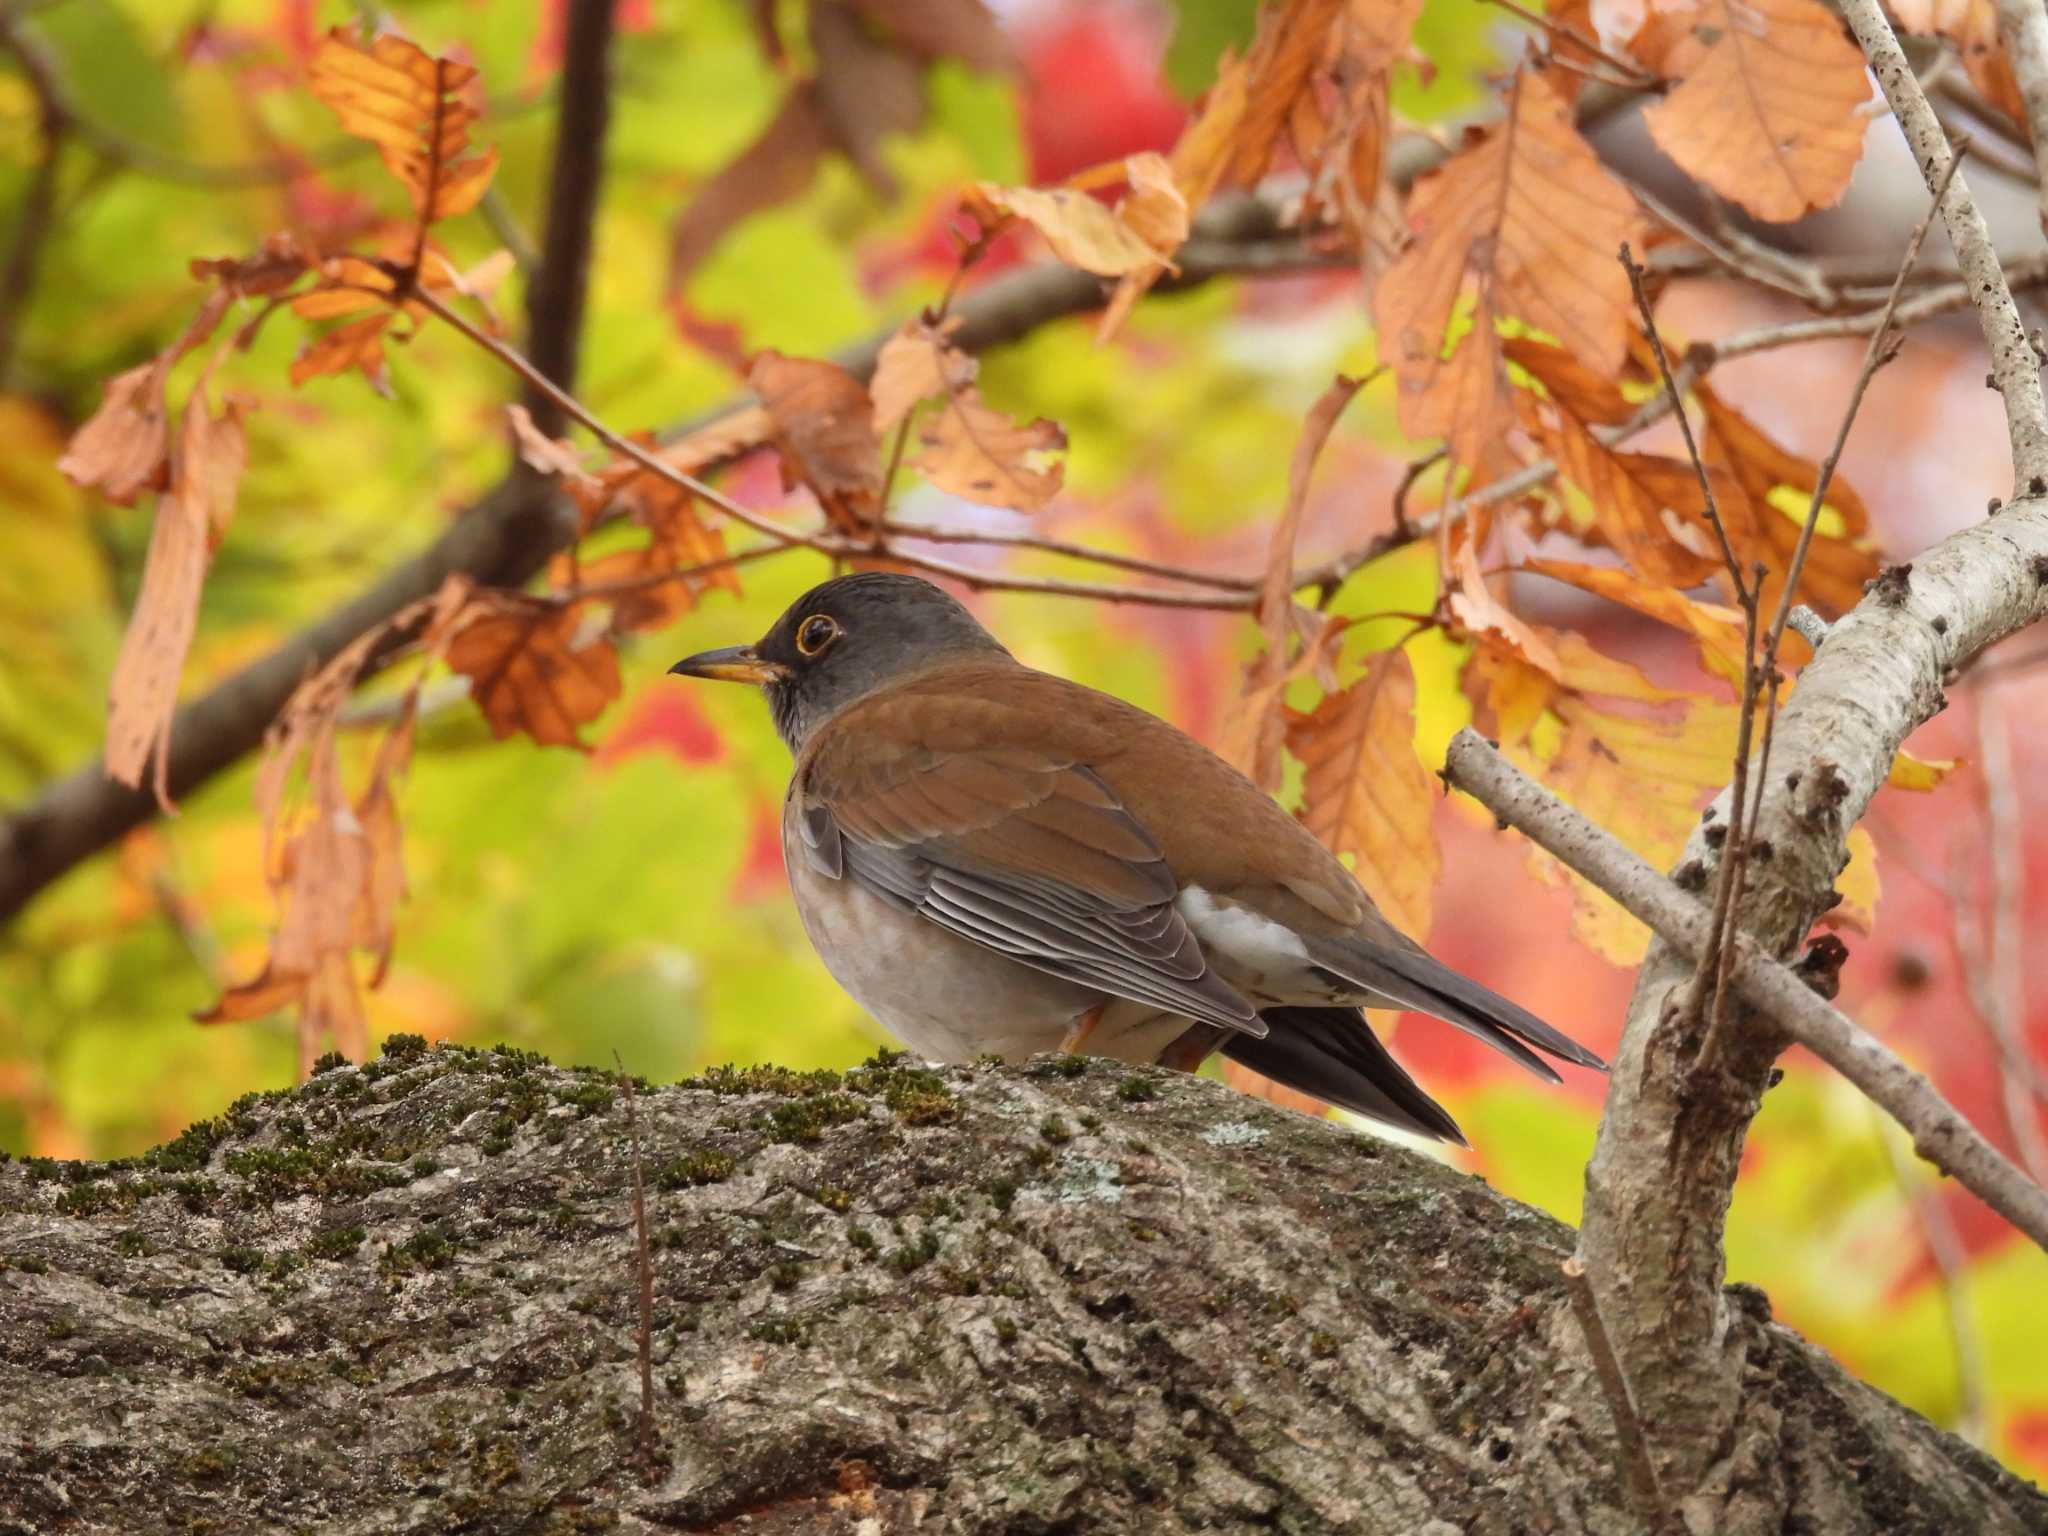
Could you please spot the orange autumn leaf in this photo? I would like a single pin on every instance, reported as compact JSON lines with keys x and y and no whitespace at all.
{"x":355,"y":344}
{"x":1526,"y":222}
{"x":1768,"y":109}
{"x":409,"y":105}
{"x":1648,"y":508}
{"x":1254,"y":728}
{"x":532,"y":669}
{"x":917,"y":364}
{"x":1593,"y":395}
{"x":1717,"y":629}
{"x":1365,"y":792}
{"x":824,"y":423}
{"x":975,"y":451}
{"x":660,"y":581}
{"x":1483,"y":615}
{"x":1840,"y":558}
{"x":1972,"y":26}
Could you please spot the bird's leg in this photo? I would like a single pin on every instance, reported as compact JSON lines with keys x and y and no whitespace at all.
{"x":1075,"y":1041}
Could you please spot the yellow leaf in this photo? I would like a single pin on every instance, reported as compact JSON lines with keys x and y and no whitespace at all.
{"x":1858,"y":884}
{"x":1919,"y":774}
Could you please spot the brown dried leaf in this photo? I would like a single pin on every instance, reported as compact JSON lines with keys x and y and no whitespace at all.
{"x":664,"y":576}
{"x":824,"y":422}
{"x":916,"y":364}
{"x":1085,"y":232}
{"x":975,"y":451}
{"x":1590,"y":394}
{"x":531,"y":668}
{"x":943,"y":29}
{"x":408,"y":105}
{"x":1276,"y":590}
{"x":774,"y":168}
{"x":1366,"y":793}
{"x":549,"y":455}
{"x":1529,"y":221}
{"x":1768,"y":113}
{"x":191,"y":517}
{"x":123,"y":448}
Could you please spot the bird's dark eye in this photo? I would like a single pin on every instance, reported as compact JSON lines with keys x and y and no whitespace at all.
{"x":815,"y":633}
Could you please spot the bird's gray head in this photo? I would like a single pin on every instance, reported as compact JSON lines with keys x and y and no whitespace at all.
{"x":841,"y":641}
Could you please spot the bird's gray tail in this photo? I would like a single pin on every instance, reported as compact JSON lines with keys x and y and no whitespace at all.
{"x":1407,"y":977}
{"x":1333,"y":1054}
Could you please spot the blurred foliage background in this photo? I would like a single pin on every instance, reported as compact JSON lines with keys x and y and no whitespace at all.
{"x":630,"y":899}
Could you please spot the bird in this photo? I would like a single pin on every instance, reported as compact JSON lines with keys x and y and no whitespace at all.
{"x":994,"y":860}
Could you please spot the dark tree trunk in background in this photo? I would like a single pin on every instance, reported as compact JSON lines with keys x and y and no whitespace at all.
{"x":403,"y":1298}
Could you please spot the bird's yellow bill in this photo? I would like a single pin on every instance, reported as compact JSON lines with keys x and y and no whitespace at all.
{"x":729,"y":664}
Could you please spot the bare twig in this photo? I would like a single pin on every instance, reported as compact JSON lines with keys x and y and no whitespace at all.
{"x":1644,"y":1488}
{"x":1993,"y":948}
{"x":645,"y":1263}
{"x":1939,"y":1133}
{"x":2013,"y":362}
{"x":2023,"y":27}
{"x":1952,"y":1267}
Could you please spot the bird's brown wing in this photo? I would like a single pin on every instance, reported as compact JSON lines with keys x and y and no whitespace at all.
{"x":978,"y":817}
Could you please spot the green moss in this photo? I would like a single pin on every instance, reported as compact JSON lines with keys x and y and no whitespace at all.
{"x":333,"y":1061}
{"x":191,"y":1149}
{"x":1003,"y":1194}
{"x":782,"y":1082}
{"x":780,"y":1330}
{"x":1055,"y":1130}
{"x":336,"y":1243}
{"x":88,"y":1199}
{"x":833,"y":1198}
{"x":587,"y":1098}
{"x":243,"y":1261}
{"x":913,"y":1255}
{"x":916,"y":1095}
{"x":1137,"y":1090}
{"x":1006,"y":1329}
{"x":701,"y":1167}
{"x":861,"y":1238}
{"x":806,"y":1119}
{"x":405,"y":1047}
{"x":271,"y":1174}
{"x":432,"y":1247}
{"x":784,"y":1277}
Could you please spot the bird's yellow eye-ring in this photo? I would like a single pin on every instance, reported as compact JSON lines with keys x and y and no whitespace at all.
{"x":815,"y":633}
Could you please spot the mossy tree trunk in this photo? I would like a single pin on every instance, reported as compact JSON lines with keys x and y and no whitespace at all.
{"x":1059,"y":1298}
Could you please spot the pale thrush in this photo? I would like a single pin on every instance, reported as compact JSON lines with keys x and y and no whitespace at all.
{"x":995,"y":860}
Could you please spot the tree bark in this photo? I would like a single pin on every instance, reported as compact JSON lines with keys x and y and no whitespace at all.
{"x":1067,"y":1297}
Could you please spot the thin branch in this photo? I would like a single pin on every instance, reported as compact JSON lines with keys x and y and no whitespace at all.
{"x":32,"y":226}
{"x":2023,"y":28}
{"x":2014,"y":364}
{"x":1939,"y":1133}
{"x":554,"y":303}
{"x":1645,"y":1490}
